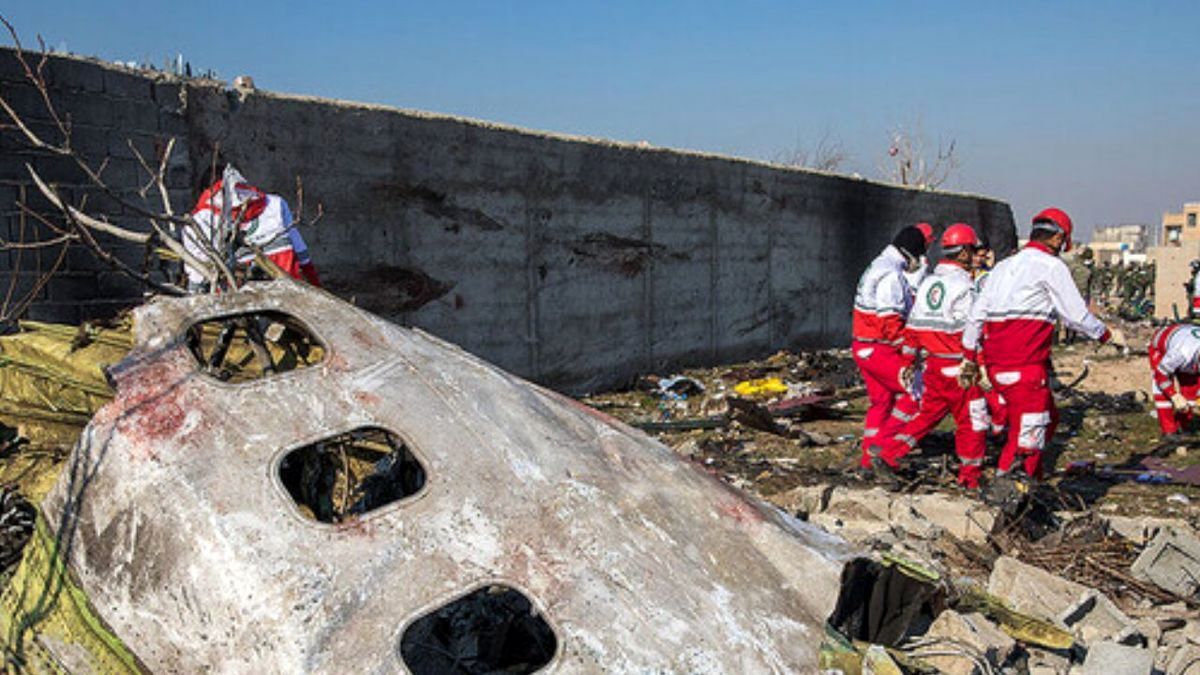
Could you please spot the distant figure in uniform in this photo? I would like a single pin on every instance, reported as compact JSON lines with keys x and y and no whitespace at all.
{"x":264,"y":222}
{"x":1175,"y":357}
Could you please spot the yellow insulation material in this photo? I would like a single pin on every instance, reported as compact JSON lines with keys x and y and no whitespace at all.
{"x":42,"y":606}
{"x":52,"y":379}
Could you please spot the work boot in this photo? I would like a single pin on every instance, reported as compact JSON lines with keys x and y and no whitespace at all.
{"x":885,"y":476}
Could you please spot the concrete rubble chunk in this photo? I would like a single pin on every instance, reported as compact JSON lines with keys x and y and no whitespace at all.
{"x":963,"y":518}
{"x":1095,"y":617}
{"x":1110,"y":658}
{"x":856,"y":514}
{"x":1190,"y":632}
{"x":806,"y":499}
{"x":863,"y":514}
{"x":1142,"y":529}
{"x":1172,"y":562}
{"x":972,"y":631}
{"x":1042,"y":662}
{"x":1185,"y":661}
{"x":1032,"y":590}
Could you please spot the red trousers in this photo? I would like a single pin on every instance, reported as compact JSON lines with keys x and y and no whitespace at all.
{"x":1032,"y":415}
{"x":998,"y":410}
{"x":290,"y":263}
{"x":890,"y":405}
{"x":1169,"y":420}
{"x":943,"y":396}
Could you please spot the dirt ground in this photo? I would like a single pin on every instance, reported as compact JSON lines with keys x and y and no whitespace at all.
{"x":1107,"y":417}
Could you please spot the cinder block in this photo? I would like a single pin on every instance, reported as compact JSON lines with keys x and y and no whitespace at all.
{"x":135,"y":115}
{"x":120,"y":84}
{"x":75,"y":74}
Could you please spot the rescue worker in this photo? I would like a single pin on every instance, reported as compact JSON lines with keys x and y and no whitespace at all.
{"x":1013,"y":322}
{"x":1175,"y":357}
{"x":264,"y":220}
{"x":934,"y":331}
{"x":981,"y":266}
{"x":881,"y":304}
{"x":1195,"y":291}
{"x":915,"y":277}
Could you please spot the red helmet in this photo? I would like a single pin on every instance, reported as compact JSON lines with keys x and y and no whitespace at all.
{"x":958,"y":235}
{"x":927,"y":232}
{"x":1058,"y":219}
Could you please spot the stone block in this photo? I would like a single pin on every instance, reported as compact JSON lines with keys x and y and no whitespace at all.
{"x":1172,"y":562}
{"x":1032,"y":590}
{"x":86,"y":108}
{"x":973,"y":631}
{"x":806,"y":499}
{"x":119,"y":84}
{"x":856,"y":514}
{"x":1110,"y":658}
{"x":1185,"y":661}
{"x":963,"y":518}
{"x":140,"y":115}
{"x":1043,"y":662}
{"x":1095,"y":618}
{"x":1142,"y":529}
{"x":78,"y":75}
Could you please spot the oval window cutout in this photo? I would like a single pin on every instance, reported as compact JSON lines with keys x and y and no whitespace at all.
{"x":350,"y":474}
{"x":251,"y":346}
{"x":495,"y":629}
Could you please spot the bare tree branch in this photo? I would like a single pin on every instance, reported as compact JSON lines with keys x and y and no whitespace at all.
{"x":827,"y":155}
{"x":911,"y":161}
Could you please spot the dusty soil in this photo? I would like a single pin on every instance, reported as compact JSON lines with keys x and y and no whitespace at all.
{"x":1106,"y":418}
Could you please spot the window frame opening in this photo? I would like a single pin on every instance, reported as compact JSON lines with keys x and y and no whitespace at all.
{"x":273,"y":342}
{"x":449,"y":619}
{"x":334,"y":485}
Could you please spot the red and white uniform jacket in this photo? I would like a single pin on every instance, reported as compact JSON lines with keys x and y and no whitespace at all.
{"x":882,"y":300}
{"x":266,"y":223}
{"x":1174,"y":350}
{"x":1196,"y":291}
{"x":939,"y":314}
{"x":1014,"y":316}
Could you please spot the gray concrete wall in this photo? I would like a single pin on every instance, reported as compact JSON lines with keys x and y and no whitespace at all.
{"x":576,"y":262}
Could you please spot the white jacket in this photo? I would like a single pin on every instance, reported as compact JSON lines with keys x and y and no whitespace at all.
{"x":939,"y":314}
{"x":1014,"y":316}
{"x":882,"y":299}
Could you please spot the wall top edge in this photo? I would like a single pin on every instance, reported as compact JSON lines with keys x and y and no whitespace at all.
{"x":162,"y":77}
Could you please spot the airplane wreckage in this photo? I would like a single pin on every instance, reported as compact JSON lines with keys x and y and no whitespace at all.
{"x":373,"y":499}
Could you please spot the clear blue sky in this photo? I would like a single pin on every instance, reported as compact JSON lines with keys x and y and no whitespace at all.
{"x":1092,"y":106}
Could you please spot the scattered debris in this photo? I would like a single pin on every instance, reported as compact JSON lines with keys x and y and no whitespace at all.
{"x":1172,"y":562}
{"x":16,"y":526}
{"x":1111,"y":658}
{"x":1032,"y":590}
{"x":972,"y":636}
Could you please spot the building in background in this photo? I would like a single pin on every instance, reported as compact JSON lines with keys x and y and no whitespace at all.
{"x":1179,"y":245}
{"x":1181,"y":226}
{"x":1119,"y":244}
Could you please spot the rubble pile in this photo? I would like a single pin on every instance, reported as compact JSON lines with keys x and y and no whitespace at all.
{"x":1087,"y":572}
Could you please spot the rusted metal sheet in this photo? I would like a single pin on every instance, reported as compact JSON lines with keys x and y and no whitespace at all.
{"x":179,"y":530}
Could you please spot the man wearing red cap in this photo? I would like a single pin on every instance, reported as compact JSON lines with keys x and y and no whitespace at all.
{"x":265,"y":223}
{"x":1013,"y":321}
{"x":1175,"y":356}
{"x":934,"y":331}
{"x":881,"y":304}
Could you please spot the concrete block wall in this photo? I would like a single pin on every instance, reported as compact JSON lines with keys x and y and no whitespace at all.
{"x":575,"y":262}
{"x":107,"y":109}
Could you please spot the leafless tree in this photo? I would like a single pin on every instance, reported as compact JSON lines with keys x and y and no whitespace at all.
{"x":913,"y":160}
{"x":71,"y":223}
{"x":827,"y":155}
